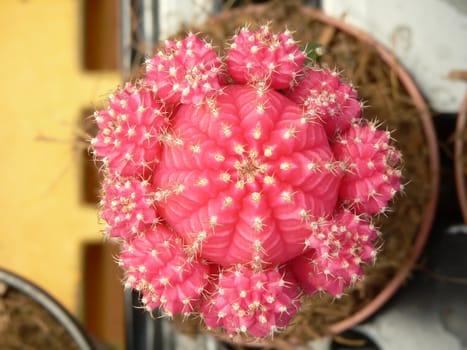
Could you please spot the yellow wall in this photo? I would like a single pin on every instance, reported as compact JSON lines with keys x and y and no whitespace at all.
{"x":42,"y":92}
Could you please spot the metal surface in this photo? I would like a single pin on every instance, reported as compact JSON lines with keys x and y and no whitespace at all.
{"x":139,"y":32}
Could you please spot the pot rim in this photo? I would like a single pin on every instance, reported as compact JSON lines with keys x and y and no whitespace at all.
{"x":44,"y":299}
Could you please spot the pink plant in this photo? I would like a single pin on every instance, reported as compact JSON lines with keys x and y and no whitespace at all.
{"x":336,"y":249}
{"x":242,"y":180}
{"x":236,"y":184}
{"x":185,"y":71}
{"x":325,"y":97}
{"x":372,"y":178}
{"x":159,"y":268}
{"x":257,"y":302}
{"x":127,"y":206}
{"x":264,"y":56}
{"x":130,"y":129}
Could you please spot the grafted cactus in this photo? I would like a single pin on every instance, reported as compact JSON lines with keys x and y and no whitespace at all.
{"x":236,"y":184}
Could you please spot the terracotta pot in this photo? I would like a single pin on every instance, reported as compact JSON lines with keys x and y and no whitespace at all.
{"x":70,"y":335}
{"x":432,"y":168}
{"x":460,"y":159}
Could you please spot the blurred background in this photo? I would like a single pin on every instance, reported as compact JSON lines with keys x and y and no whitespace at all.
{"x":58,"y":61}
{"x":46,"y":91}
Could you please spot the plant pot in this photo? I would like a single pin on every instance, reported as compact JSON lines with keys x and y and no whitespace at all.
{"x":392,"y":97}
{"x":31,"y":319}
{"x":460,"y":159}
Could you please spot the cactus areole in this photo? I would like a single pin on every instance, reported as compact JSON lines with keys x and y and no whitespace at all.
{"x":238,"y":184}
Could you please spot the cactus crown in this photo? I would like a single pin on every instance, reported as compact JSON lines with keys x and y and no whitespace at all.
{"x":236,"y":184}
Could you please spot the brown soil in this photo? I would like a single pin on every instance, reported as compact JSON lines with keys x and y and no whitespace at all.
{"x":26,"y":325}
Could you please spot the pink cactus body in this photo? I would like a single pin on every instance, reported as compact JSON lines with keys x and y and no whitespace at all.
{"x":127,"y":207}
{"x":244,"y":175}
{"x":130,"y":131}
{"x":325,"y":97}
{"x":372,"y":179}
{"x":257,"y":302}
{"x":157,"y":265}
{"x":237,"y":184}
{"x":263,"y":56}
{"x":336,"y":249}
{"x":184,"y":71}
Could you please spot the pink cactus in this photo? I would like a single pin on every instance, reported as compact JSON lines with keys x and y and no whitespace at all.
{"x":326,"y":98}
{"x":336,"y":248}
{"x":248,"y":301}
{"x":263,"y":56}
{"x":243,"y":179}
{"x":184,"y":71}
{"x":127,"y":206}
{"x":157,"y":265}
{"x":130,"y":131}
{"x":372,"y":178}
{"x":237,"y":184}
